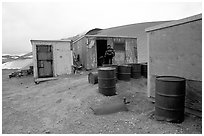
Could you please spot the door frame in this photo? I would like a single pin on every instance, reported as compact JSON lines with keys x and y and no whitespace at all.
{"x":99,"y":39}
{"x":37,"y":46}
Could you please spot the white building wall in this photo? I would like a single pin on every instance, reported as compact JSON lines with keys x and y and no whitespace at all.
{"x":62,"y":58}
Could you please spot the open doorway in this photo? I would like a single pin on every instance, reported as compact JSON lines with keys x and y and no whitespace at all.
{"x":101,"y":46}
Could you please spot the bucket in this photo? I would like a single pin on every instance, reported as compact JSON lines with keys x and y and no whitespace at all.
{"x":124,"y":72}
{"x":170,"y":98}
{"x":93,"y":77}
{"x":107,"y":81}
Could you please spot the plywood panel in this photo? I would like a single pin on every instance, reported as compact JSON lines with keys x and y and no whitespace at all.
{"x":120,"y":57}
{"x":131,"y":51}
{"x":92,"y":56}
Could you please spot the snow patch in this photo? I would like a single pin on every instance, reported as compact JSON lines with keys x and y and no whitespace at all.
{"x":18,"y":64}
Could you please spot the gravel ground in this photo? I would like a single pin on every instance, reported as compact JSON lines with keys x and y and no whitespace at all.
{"x":63,"y":107}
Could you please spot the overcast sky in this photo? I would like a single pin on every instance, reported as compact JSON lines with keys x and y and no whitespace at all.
{"x":22,"y":22}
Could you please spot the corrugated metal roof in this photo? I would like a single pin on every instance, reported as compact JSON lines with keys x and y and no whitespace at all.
{"x":132,"y":30}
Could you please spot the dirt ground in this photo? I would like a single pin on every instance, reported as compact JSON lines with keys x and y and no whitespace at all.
{"x":63,"y":106}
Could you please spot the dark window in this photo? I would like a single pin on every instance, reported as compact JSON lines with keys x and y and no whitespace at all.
{"x":40,"y":64}
{"x":42,"y":48}
{"x":119,"y":46}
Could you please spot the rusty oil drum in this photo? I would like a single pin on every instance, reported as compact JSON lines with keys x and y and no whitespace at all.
{"x":113,"y":66}
{"x":116,"y":70}
{"x":135,"y":70}
{"x":107,"y":81}
{"x":170,"y":98}
{"x":124,"y":72}
{"x":107,"y":65}
{"x":144,"y":69}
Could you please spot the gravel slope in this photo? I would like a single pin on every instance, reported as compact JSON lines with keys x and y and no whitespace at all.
{"x":63,"y":106}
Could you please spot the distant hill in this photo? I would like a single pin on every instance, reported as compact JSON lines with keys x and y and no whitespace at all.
{"x":27,"y":56}
{"x":18,"y":64}
{"x":9,"y":57}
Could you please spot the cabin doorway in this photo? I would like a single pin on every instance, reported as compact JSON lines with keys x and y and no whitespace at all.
{"x":44,"y":61}
{"x":101,"y":46}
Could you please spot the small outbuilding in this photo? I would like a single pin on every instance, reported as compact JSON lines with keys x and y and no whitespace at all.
{"x":51,"y":58}
{"x":175,"y":49}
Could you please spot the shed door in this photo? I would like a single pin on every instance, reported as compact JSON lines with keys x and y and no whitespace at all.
{"x":131,"y":51}
{"x":92,"y":55}
{"x":44,"y":60}
{"x":119,"y":48}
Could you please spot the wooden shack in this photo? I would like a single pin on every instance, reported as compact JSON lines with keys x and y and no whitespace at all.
{"x":51,"y":58}
{"x":175,"y":49}
{"x":92,"y":48}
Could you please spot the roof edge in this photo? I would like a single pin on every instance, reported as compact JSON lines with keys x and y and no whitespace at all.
{"x":110,"y":36}
{"x":174,"y":23}
{"x":156,"y":21}
{"x":52,"y":40}
{"x":78,"y":39}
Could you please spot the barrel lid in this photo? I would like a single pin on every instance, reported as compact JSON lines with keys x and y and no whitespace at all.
{"x":106,"y":68}
{"x":125,"y":65}
{"x":133,"y":64}
{"x":170,"y":78}
{"x":115,"y":65}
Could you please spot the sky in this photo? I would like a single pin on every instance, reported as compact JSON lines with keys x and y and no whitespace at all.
{"x":23,"y":21}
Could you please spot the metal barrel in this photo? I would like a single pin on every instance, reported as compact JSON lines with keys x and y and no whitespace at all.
{"x":116,"y":70}
{"x":107,"y":65}
{"x":124,"y":72}
{"x":107,"y":81}
{"x":113,"y":66}
{"x":170,"y":98}
{"x":144,"y":69}
{"x":135,"y":70}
